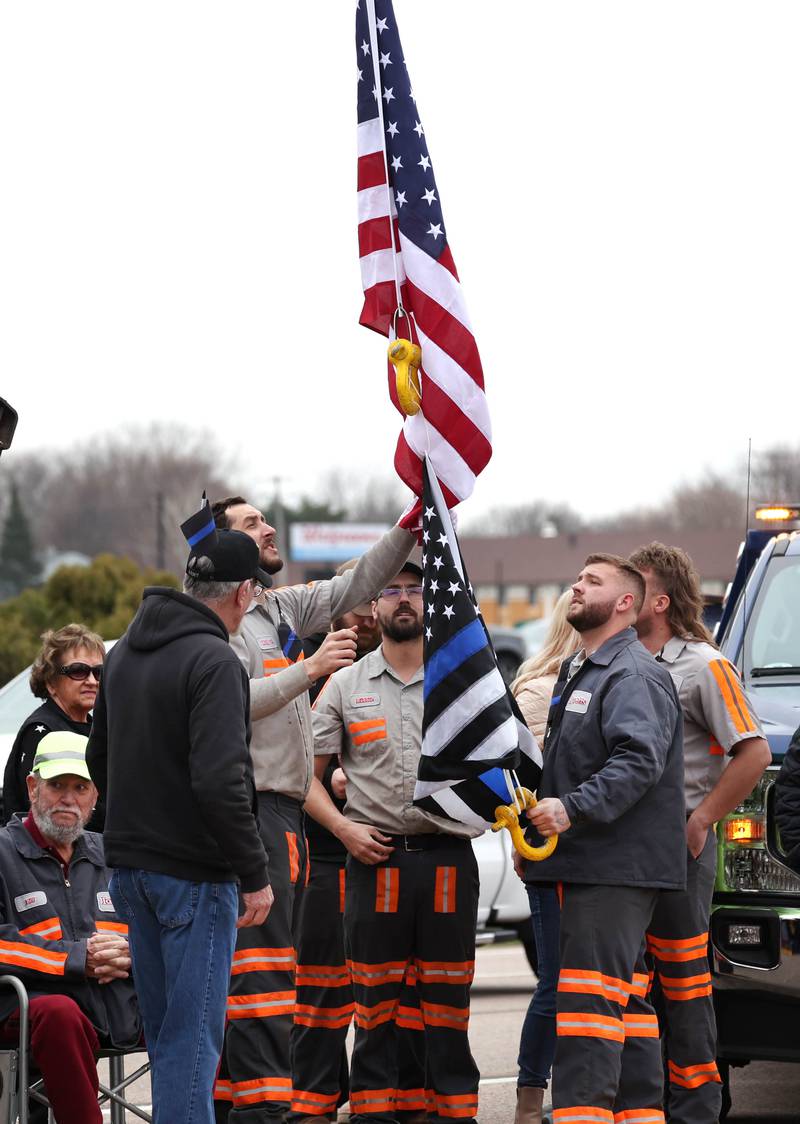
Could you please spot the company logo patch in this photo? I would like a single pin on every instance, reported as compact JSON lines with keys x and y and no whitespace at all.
{"x":104,"y":902}
{"x":265,"y":643}
{"x":30,"y":900}
{"x":364,"y":700}
{"x":579,"y":702}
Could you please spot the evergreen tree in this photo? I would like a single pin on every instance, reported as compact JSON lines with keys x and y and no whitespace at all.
{"x":19,"y":567}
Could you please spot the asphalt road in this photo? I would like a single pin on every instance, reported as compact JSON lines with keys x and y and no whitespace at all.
{"x":761,"y":1091}
{"x":500,"y":996}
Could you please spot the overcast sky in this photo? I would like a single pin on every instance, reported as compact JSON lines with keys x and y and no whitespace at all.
{"x":620,"y":184}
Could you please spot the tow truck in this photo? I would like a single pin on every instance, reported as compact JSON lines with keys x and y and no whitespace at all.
{"x":755,"y":919}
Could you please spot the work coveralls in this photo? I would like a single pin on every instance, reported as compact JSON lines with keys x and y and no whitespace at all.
{"x":613,"y":756}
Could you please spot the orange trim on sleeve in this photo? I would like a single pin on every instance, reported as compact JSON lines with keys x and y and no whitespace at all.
{"x":51,"y":929}
{"x":732,"y":696}
{"x":33,"y":957}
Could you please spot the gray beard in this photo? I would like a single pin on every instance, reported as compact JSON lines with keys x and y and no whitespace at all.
{"x":59,"y":833}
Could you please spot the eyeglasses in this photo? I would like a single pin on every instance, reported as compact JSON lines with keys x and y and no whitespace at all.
{"x":81,"y":671}
{"x":392,"y":592}
{"x":258,"y":588}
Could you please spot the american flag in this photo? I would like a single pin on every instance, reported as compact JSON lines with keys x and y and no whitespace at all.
{"x":406,"y":260}
{"x":472,"y":731}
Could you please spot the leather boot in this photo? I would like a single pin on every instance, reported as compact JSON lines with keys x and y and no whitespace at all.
{"x":529,"y":1105}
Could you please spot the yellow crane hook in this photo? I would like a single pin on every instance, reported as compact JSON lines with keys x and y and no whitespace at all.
{"x":406,"y":357}
{"x":506,"y":815}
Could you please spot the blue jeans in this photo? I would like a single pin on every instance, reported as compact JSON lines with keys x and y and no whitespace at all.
{"x":538,"y":1040}
{"x":182,"y":938}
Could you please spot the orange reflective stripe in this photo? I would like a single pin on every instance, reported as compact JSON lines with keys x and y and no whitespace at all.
{"x":581,"y":1113}
{"x":328,"y":1018}
{"x":342,"y":874}
{"x":640,"y":984}
{"x":373,"y":975}
{"x":374,"y":736}
{"x":322,"y":975}
{"x":414,"y":1100}
{"x":314,"y":1104}
{"x":686,"y":987}
{"x":640,"y":1026}
{"x":223,"y":1091}
{"x":369,"y":724}
{"x":445,"y":971}
{"x":639,"y":1116}
{"x":410,"y":1018}
{"x":271,"y":666}
{"x":262,"y":960}
{"x":50,"y":928}
{"x":729,"y":688}
{"x":594,"y":983}
{"x":111,"y":927}
{"x":462,"y":1106}
{"x":373,"y":1100}
{"x":692,"y":1076}
{"x":688,"y":948}
{"x":584,"y":1025}
{"x":439,"y":1014}
{"x":294,"y":855}
{"x":444,"y":898}
{"x":261,"y":1089}
{"x":387,"y":889}
{"x":33,"y":957}
{"x":369,"y":1017}
{"x":264,"y":1005}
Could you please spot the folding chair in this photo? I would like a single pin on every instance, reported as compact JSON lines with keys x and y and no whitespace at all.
{"x":16,"y":1087}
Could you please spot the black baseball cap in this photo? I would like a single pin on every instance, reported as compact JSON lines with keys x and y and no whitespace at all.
{"x":411,"y":568}
{"x":233,"y":557}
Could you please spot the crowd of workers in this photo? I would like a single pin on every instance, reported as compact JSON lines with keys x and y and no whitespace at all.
{"x":229,"y":713}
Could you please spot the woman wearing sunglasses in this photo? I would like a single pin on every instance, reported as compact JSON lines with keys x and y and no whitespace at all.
{"x":66,"y":674}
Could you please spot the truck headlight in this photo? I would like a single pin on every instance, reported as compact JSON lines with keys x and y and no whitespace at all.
{"x":744,"y":862}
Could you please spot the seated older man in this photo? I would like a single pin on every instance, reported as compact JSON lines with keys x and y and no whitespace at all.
{"x":59,"y":932}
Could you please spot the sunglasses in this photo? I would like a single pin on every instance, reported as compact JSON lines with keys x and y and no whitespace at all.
{"x":81,"y":671}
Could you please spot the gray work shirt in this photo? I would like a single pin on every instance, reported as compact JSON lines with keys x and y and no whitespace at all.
{"x":717,"y":713}
{"x":373,"y":720}
{"x":282,"y":742}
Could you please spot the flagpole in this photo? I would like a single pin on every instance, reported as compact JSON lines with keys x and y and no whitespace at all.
{"x":376,"y":72}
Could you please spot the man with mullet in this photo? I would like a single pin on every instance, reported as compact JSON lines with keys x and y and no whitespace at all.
{"x":724,"y":754}
{"x":612,"y":790}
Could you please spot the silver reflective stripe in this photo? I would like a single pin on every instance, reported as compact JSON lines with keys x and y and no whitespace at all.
{"x":270,"y":1003}
{"x":618,"y":1027}
{"x":446,"y":889}
{"x":592,"y":985}
{"x":57,"y":755}
{"x":387,"y":893}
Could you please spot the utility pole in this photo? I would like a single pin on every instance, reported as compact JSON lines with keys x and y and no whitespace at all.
{"x":161,"y":539}
{"x":280,"y":520}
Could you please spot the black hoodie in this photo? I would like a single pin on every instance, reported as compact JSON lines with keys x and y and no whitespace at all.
{"x":169,"y":748}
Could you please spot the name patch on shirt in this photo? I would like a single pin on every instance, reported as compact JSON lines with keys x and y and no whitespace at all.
{"x":265,"y":643}
{"x":579,"y":702}
{"x":104,"y":902}
{"x":30,"y":901}
{"x":365,"y":700}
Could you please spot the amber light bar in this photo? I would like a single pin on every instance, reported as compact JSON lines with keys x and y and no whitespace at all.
{"x":743,"y":830}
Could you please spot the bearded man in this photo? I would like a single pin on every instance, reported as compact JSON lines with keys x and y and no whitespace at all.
{"x":60,"y":934}
{"x":411,"y":896}
{"x":612,"y":790}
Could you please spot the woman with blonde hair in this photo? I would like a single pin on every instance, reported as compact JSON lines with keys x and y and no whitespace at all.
{"x":533,"y":688}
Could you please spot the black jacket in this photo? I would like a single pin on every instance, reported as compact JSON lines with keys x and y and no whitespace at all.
{"x":613,"y":754}
{"x":49,"y":716}
{"x":44,"y":925}
{"x":169,"y":748}
{"x":787,"y":802}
